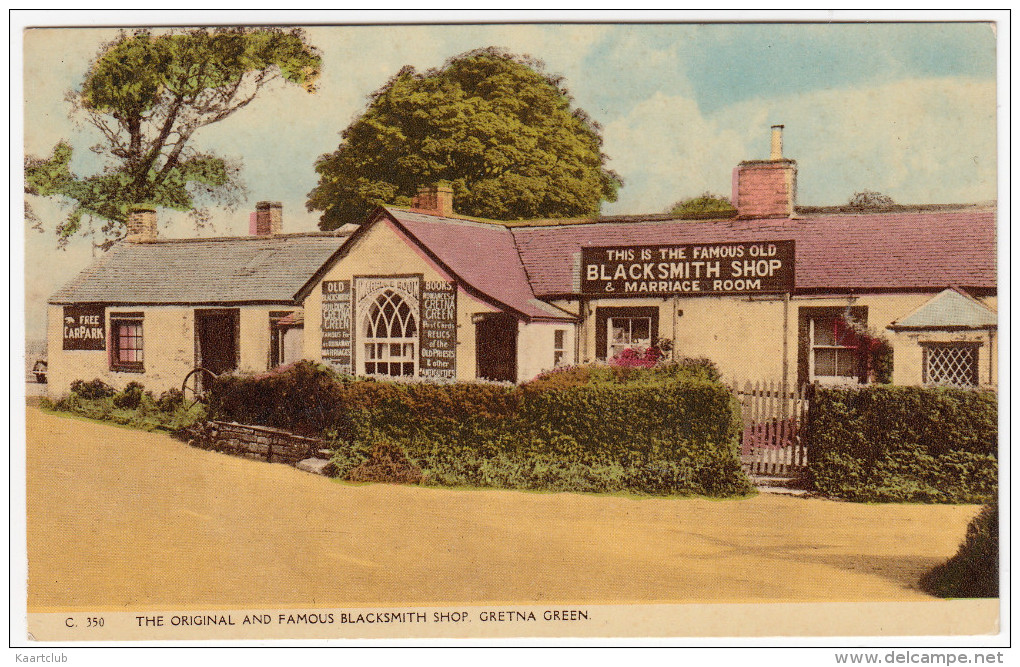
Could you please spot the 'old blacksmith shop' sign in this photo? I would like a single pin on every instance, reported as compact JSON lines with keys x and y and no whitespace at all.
{"x":697,"y":269}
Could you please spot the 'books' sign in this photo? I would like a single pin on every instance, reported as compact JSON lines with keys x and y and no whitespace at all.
{"x":84,"y":328}
{"x":438,"y":330}
{"x":696,"y":269}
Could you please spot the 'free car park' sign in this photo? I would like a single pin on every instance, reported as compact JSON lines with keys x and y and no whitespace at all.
{"x":84,"y":328}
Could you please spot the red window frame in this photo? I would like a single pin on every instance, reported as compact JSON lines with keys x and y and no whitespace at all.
{"x":127,"y":342}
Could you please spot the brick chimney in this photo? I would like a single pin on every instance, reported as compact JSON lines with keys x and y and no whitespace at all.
{"x":434,"y":200}
{"x":141,"y":224}
{"x":766,"y":188}
{"x":267,"y":219}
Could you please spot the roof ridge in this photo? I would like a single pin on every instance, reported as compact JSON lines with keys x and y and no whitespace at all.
{"x":844,"y":209}
{"x":524,"y":305}
{"x":250,"y":237}
{"x":499,"y":224}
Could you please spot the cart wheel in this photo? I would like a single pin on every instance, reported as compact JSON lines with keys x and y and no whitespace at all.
{"x":195,"y":385}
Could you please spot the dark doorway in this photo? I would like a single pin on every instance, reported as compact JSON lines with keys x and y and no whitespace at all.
{"x":216,"y":339}
{"x":496,"y":347}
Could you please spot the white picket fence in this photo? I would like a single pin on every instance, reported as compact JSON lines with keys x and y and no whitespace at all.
{"x":774,"y":416}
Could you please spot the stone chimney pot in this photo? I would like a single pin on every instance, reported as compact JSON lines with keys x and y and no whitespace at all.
{"x":268,"y":219}
{"x":434,"y":200}
{"x":141,"y":224}
{"x":777,"y":143}
{"x":766,"y":188}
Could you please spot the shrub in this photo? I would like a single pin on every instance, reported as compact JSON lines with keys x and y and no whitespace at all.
{"x":565,"y":377}
{"x":631,"y":358}
{"x":974,"y":571}
{"x":694,"y":368}
{"x":904,"y":444}
{"x":635,"y":422}
{"x":92,"y":390}
{"x":132,"y":407}
{"x":305,"y":398}
{"x":131,"y":397}
{"x":170,"y":400}
{"x":386,"y":463}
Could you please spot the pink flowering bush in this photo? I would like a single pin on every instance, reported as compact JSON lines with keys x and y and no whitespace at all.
{"x":631,"y":358}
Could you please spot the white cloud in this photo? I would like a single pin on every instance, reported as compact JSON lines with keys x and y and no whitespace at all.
{"x":919,"y":141}
{"x":666,"y":149}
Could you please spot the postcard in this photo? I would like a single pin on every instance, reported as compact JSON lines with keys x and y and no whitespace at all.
{"x":437,"y":330}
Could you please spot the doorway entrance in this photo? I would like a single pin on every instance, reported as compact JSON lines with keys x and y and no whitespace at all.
{"x":217,"y":339}
{"x":496,"y":347}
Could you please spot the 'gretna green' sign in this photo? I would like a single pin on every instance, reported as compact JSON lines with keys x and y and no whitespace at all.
{"x":704,"y":269}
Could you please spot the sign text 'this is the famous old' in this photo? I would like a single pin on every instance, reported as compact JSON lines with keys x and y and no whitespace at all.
{"x":691,"y":270}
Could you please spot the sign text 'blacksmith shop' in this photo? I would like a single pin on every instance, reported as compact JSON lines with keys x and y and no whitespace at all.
{"x":695,"y":269}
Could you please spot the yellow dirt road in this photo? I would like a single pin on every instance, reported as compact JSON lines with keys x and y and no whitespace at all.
{"x":121,"y":519}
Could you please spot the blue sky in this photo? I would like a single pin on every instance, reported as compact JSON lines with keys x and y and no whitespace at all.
{"x":905,"y":109}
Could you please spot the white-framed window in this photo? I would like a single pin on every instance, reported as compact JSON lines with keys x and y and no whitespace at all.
{"x":390,"y":336}
{"x":629,"y":332}
{"x":834,"y":356}
{"x":952,"y":364}
{"x":559,"y":347}
{"x":620,"y":327}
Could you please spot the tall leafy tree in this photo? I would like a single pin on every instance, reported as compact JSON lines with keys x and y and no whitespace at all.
{"x":502,"y":132}
{"x":705,"y":205}
{"x":148,"y":95}
{"x":870,"y":200}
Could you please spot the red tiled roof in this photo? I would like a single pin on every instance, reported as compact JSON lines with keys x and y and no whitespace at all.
{"x":863,"y":252}
{"x":296,"y":319}
{"x":482,"y":255}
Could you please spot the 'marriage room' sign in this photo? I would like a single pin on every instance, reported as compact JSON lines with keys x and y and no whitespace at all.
{"x":707,"y":269}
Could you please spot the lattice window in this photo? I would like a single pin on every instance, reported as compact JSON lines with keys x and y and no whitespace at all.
{"x":951,"y":364}
{"x":390,"y":336}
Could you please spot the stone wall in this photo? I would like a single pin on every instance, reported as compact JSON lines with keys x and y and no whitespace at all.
{"x":270,"y":444}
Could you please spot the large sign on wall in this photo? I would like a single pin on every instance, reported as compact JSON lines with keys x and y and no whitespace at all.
{"x":84,"y":328}
{"x":337,"y":333}
{"x":704,"y":269}
{"x":438,"y":349}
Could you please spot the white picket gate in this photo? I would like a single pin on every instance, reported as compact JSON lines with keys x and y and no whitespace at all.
{"x":774,"y":416}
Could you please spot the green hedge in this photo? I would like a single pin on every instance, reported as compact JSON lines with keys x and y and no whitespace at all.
{"x":304,"y":398}
{"x":663,"y":432}
{"x":904,"y":444}
{"x":974,"y":571}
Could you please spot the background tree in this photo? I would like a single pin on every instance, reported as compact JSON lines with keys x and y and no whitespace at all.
{"x":867,"y":199}
{"x":705,"y":205}
{"x":492,"y":124}
{"x":148,"y":95}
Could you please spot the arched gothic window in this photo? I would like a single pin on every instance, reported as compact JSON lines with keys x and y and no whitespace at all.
{"x":390,"y":335}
